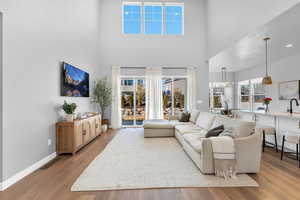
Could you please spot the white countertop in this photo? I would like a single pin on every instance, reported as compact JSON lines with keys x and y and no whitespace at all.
{"x":294,"y":116}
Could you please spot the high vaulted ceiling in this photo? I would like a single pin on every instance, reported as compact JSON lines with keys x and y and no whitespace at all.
{"x":250,"y":50}
{"x":230,"y":20}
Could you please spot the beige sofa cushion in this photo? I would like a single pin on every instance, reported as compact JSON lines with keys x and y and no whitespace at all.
{"x":205,"y":120}
{"x":194,"y":115}
{"x":158,"y":124}
{"x":194,"y":140}
{"x":239,"y":128}
{"x":190,"y":129}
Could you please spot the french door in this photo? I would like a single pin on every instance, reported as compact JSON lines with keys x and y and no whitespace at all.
{"x":174,"y":92}
{"x":133,"y":101}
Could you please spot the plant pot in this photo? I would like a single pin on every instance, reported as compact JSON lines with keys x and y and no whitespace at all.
{"x":69,"y":117}
{"x":104,"y":127}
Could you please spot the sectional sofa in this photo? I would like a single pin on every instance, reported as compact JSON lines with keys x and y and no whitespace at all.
{"x":190,"y":135}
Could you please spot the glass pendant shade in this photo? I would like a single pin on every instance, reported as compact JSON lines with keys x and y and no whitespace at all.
{"x":267,"y":80}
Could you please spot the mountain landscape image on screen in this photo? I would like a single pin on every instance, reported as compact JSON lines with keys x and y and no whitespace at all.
{"x":75,"y":82}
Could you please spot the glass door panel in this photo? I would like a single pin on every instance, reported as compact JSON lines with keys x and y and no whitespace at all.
{"x":127,"y":108}
{"x":140,"y":102}
{"x":180,"y":91}
{"x":174,"y":96}
{"x":167,"y":97}
{"x":133,"y":102}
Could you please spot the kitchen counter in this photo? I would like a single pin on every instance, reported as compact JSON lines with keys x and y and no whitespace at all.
{"x":294,"y":116}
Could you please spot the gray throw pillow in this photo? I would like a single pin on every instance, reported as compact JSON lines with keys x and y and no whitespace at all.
{"x":215,"y":131}
{"x":185,"y":117}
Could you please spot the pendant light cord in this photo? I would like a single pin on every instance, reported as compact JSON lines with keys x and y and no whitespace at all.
{"x":266,"y":56}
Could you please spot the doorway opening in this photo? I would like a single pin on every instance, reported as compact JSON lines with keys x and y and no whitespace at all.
{"x":133,"y":101}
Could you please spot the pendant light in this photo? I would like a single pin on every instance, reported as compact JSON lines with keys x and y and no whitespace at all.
{"x":267,"y":80}
{"x":223,"y":71}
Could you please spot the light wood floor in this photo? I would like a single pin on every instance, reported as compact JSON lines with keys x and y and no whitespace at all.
{"x":279,"y":180}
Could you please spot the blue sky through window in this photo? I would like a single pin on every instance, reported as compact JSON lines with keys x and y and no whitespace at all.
{"x":132,"y":19}
{"x":153,"y":19}
{"x":174,"y":20}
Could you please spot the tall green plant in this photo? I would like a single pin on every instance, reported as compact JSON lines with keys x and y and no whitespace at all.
{"x":102,"y":94}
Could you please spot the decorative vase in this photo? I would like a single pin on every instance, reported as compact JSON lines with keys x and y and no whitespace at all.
{"x":267,"y":108}
{"x":69,"y":117}
{"x":104,"y":127}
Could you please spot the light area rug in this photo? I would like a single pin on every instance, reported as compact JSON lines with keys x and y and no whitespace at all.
{"x":130,"y":161}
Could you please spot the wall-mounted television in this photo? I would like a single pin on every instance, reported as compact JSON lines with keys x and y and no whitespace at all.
{"x":74,"y":81}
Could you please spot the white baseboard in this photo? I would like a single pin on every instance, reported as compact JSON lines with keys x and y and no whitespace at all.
{"x":17,"y":177}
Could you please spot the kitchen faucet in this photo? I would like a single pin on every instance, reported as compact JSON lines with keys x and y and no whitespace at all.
{"x":291,"y":105}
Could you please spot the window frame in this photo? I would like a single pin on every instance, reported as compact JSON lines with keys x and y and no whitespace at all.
{"x":135,"y":79}
{"x":252,"y":94}
{"x":172,"y":88}
{"x":214,"y":85}
{"x":141,"y":18}
{"x":182,"y":20}
{"x":162,"y":17}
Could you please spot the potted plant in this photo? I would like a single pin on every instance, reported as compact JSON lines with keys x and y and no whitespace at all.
{"x":267,"y":101}
{"x":102,"y":95}
{"x":69,"y":109}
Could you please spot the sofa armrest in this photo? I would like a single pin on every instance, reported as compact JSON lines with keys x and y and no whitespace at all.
{"x":248,"y":153}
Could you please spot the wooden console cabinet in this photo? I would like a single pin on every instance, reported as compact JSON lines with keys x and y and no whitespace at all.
{"x":72,"y":136}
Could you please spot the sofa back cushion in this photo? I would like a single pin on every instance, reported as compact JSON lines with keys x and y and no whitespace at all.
{"x":244,"y":128}
{"x":238,"y":128}
{"x":194,"y":115}
{"x":205,"y":120}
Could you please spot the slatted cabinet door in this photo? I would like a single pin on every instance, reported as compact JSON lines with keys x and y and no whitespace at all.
{"x":86,"y":130}
{"x":98,"y":124}
{"x":64,"y":141}
{"x":92,"y":125}
{"x":78,"y":134}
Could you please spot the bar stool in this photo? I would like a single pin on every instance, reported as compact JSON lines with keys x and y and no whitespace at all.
{"x":292,"y":138}
{"x":267,"y":130}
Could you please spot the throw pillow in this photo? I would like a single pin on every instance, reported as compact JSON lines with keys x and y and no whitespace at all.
{"x":215,"y":131}
{"x":194,"y":115}
{"x":185,"y":117}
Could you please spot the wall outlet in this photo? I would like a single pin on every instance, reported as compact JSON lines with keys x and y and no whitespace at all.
{"x":49,"y":142}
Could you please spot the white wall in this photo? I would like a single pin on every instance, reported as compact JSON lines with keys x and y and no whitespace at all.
{"x":156,"y":50}
{"x":37,"y":35}
{"x":1,"y":81}
{"x":231,"y":20}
